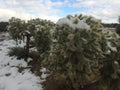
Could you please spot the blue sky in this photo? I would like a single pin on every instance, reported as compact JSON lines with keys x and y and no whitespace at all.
{"x":106,"y":10}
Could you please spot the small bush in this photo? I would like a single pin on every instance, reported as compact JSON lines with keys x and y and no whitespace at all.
{"x":18,"y":52}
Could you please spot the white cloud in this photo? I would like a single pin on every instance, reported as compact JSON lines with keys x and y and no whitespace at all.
{"x":107,"y":15}
{"x":107,"y":10}
{"x":97,"y":3}
{"x":6,"y":14}
{"x":27,"y":9}
{"x":52,"y":18}
{"x":84,"y":3}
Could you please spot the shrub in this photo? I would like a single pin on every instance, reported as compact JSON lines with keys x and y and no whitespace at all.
{"x":18,"y":52}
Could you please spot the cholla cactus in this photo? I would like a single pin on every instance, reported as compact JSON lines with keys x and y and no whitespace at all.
{"x":15,"y":27}
{"x":35,"y":32}
{"x":42,"y":34}
{"x":81,"y":49}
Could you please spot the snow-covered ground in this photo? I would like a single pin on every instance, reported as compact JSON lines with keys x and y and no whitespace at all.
{"x":10,"y":78}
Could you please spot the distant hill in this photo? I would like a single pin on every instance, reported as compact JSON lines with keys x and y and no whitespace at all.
{"x":110,"y":25}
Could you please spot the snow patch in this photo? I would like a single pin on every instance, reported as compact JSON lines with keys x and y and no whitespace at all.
{"x":10,"y":78}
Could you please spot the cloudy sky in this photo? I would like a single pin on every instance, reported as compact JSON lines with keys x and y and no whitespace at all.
{"x":106,"y":10}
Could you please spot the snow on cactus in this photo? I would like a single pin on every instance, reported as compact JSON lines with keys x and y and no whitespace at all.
{"x":74,"y":23}
{"x":80,"y":22}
